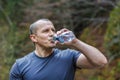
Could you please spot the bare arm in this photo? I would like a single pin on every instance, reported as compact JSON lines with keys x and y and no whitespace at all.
{"x":90,"y":57}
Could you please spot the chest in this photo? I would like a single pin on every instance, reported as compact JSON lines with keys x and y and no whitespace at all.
{"x":56,"y":68}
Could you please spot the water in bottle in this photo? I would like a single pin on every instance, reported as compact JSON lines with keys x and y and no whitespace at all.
{"x":64,"y":37}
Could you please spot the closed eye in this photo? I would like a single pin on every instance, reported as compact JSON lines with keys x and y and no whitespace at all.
{"x":46,"y":30}
{"x":53,"y":30}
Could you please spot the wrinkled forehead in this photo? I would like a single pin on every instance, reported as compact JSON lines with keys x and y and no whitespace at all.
{"x":40,"y":24}
{"x":43,"y":25}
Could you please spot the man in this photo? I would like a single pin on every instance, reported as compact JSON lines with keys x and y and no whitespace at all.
{"x":49,"y":63}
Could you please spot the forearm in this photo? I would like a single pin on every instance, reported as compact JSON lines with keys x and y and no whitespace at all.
{"x":93,"y":55}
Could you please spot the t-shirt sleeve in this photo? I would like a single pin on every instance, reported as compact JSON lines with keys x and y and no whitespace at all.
{"x":75,"y":55}
{"x":15,"y":73}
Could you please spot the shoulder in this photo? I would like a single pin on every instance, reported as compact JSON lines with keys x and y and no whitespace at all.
{"x":67,"y":52}
{"x":20,"y":65}
{"x":24,"y":62}
{"x":70,"y":55}
{"x":25,"y":59}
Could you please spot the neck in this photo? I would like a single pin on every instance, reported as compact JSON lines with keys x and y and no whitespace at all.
{"x":43,"y":52}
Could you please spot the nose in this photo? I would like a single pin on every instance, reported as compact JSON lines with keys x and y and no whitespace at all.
{"x":51,"y":33}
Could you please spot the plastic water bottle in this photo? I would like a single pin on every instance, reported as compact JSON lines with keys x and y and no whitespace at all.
{"x":64,"y":37}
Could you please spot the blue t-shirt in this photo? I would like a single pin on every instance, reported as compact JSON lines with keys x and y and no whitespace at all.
{"x":60,"y":65}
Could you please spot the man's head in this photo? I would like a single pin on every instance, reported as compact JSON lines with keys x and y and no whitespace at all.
{"x":41,"y":33}
{"x":37,"y":24}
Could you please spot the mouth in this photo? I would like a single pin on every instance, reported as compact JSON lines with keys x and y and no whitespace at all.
{"x":52,"y":41}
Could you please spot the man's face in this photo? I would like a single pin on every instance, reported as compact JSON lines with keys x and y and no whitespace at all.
{"x":44,"y":36}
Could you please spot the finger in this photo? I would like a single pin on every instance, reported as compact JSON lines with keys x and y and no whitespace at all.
{"x":58,"y":32}
{"x":62,"y":30}
{"x":57,"y":42}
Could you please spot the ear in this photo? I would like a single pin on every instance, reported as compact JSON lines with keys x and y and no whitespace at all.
{"x":33,"y":38}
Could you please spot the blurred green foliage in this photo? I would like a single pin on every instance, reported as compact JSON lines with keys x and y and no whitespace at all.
{"x":13,"y":9}
{"x":112,"y":48}
{"x":112,"y":45}
{"x":11,"y":13}
{"x":112,"y":36}
{"x":12,"y":46}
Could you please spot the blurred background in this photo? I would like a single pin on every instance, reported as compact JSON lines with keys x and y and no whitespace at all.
{"x":96,"y":22}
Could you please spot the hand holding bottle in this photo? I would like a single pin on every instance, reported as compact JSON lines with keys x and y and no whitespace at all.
{"x":64,"y":36}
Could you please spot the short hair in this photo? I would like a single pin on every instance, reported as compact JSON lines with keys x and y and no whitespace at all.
{"x":33,"y":26}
